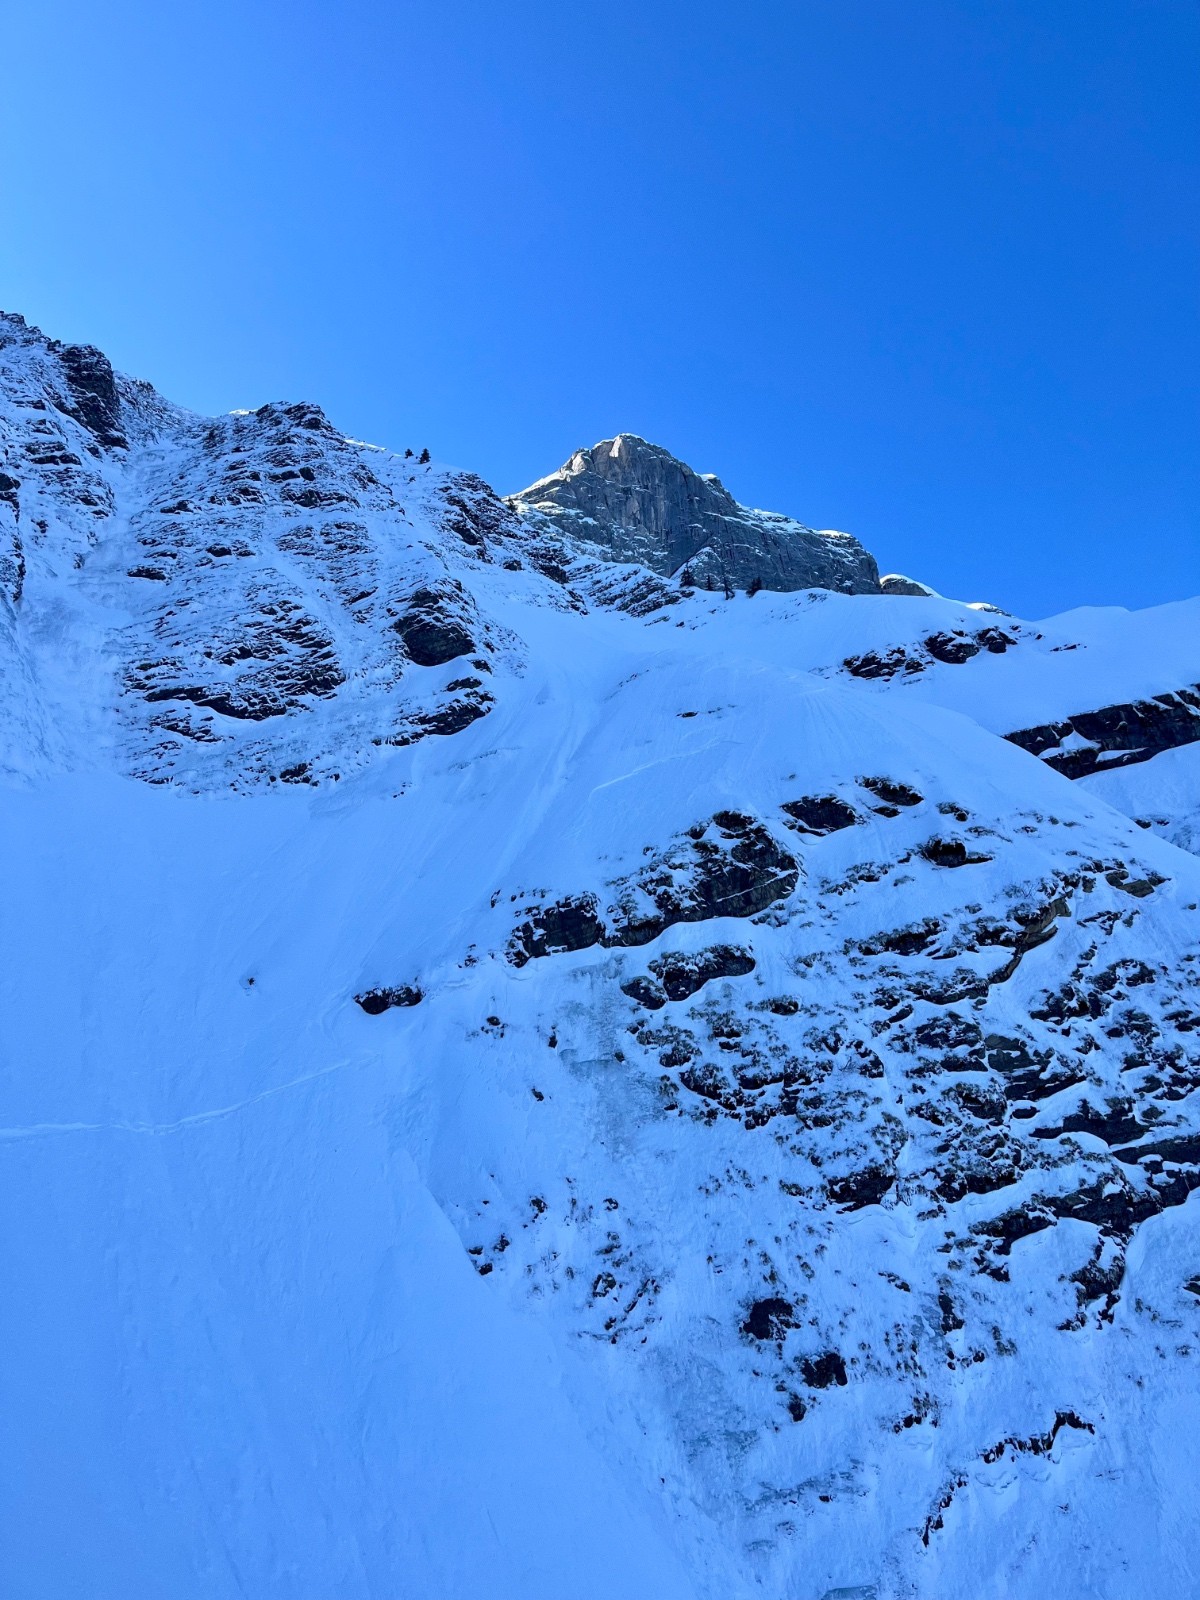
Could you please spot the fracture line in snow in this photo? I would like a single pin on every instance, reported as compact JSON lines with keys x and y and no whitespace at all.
{"x":40,"y":1130}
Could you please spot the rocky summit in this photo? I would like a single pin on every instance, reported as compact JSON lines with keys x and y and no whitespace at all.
{"x":525,"y":1076}
{"x":634,"y":501}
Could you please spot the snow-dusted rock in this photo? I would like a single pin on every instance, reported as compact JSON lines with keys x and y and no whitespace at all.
{"x":897,"y":583}
{"x":635,"y":502}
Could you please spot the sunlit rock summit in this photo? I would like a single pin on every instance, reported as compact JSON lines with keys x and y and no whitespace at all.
{"x":637,"y":503}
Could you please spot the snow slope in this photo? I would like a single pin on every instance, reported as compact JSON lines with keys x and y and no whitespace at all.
{"x":245,"y":1353}
{"x":761,"y":1160}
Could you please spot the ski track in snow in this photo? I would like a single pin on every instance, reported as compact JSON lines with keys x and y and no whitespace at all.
{"x":196,"y":1120}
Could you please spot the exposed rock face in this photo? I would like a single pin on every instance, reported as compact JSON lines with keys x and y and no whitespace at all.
{"x":897,"y":583}
{"x":376,"y":1001}
{"x":737,"y":872}
{"x":270,"y":614}
{"x":1116,"y":736}
{"x":95,"y":400}
{"x":677,"y":977}
{"x":433,"y":629}
{"x":951,"y":648}
{"x":636,"y":502}
{"x":819,"y":814}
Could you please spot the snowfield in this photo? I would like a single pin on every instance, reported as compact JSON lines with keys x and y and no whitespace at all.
{"x":524,"y":1078}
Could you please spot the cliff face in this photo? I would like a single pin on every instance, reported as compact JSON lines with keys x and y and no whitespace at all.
{"x":524,"y":1078}
{"x":636,"y":502}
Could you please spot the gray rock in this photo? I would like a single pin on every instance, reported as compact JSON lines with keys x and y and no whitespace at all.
{"x":897,"y":583}
{"x":1115,"y":736}
{"x":633,"y":501}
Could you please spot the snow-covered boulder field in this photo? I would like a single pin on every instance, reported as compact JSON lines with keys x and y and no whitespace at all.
{"x":526,"y":1075}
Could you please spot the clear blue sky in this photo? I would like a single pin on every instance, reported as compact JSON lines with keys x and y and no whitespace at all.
{"x":922,"y":269}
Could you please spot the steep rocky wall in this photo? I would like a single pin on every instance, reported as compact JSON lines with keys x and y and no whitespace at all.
{"x":636,"y":502}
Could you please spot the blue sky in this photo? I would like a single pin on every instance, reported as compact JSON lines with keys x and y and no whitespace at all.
{"x":926,"y":271}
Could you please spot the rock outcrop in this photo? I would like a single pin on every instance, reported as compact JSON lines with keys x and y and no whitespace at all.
{"x":635,"y":502}
{"x":1116,"y":736}
{"x":897,"y":583}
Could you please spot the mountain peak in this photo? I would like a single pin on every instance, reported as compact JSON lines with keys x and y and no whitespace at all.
{"x":635,"y":501}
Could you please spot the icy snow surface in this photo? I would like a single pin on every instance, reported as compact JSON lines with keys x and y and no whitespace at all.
{"x":763,"y":1163}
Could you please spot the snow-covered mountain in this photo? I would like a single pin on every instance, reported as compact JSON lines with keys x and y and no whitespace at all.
{"x":526,"y":1076}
